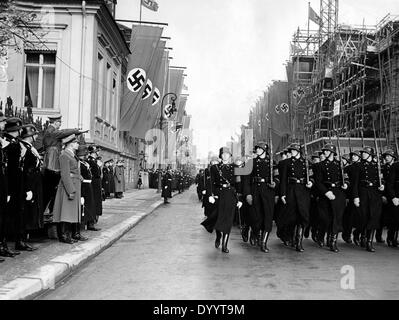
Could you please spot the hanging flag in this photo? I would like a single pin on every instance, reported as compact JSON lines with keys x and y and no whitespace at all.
{"x":313,"y":16}
{"x":150,"y":4}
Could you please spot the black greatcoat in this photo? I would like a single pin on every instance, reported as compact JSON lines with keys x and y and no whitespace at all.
{"x":328,"y":177}
{"x":105,"y":181}
{"x":3,"y":192}
{"x":15,"y":207}
{"x":210,"y":209}
{"x":166,"y":182}
{"x":261,"y":211}
{"x":365,"y":187}
{"x":392,"y":191}
{"x":96,"y":184}
{"x":293,"y":187}
{"x":387,"y":208}
{"x":223,"y":181}
{"x":32,"y":177}
{"x":88,"y":209}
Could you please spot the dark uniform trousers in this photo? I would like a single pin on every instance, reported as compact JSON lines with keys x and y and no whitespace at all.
{"x":365,"y":187}
{"x":328,"y":177}
{"x":262,"y":209}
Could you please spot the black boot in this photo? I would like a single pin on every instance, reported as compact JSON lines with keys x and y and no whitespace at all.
{"x":306,"y":232}
{"x":218,"y":238}
{"x":265,"y":237}
{"x":23,"y":246}
{"x":5,"y":252}
{"x":363,"y":239}
{"x":259,"y":238}
{"x":244,"y":233}
{"x":299,"y":238}
{"x":314,"y":234}
{"x":390,"y":236}
{"x":2,"y":260}
{"x":292,"y":236}
{"x":395,"y":239}
{"x":65,"y":235}
{"x":333,"y":242}
{"x":328,"y":239}
{"x":8,"y":252}
{"x":378,"y":236}
{"x":320,"y":238}
{"x":76,"y":233}
{"x":370,"y":236}
{"x":356,"y":239}
{"x":252,"y":237}
{"x":224,"y":242}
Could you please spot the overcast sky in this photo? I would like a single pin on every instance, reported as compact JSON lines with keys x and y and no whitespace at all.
{"x":233,"y":49}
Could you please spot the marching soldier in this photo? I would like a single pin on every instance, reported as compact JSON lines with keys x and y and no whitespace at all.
{"x":313,"y":216}
{"x":210,"y":209}
{"x":391,"y":207}
{"x":295,"y":194}
{"x":367,"y":198}
{"x":166,"y":186}
{"x":331,"y":185}
{"x":282,"y":231}
{"x":223,"y":181}
{"x":350,"y":211}
{"x":32,"y":180}
{"x":259,"y":192}
{"x":199,"y":181}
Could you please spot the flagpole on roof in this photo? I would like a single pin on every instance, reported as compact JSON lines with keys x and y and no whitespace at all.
{"x":307,"y":47}
{"x":141,"y":7}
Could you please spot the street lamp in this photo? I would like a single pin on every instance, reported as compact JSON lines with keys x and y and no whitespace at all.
{"x":174,"y":98}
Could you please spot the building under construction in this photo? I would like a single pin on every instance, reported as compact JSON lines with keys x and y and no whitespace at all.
{"x":344,"y":81}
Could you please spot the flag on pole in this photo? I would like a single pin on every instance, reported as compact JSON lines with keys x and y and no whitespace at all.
{"x":313,"y":16}
{"x":150,"y":4}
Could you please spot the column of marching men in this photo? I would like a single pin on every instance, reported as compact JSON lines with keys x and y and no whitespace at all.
{"x":57,"y":192}
{"x":320,"y":197}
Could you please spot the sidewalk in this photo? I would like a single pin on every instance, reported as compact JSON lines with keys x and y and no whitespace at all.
{"x":31,"y":273}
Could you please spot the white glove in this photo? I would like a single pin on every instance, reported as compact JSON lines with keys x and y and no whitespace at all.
{"x":356,"y":202}
{"x":330,"y":195}
{"x":8,"y":199}
{"x":211,"y":199}
{"x":82,"y":201}
{"x":395,"y":202}
{"x":203,"y":191}
{"x":309,"y":185}
{"x":283,"y":199}
{"x":166,"y":187}
{"x":239,"y":204}
{"x":345,"y":186}
{"x":29,"y":195}
{"x":384,"y":200}
{"x":249,"y":199}
{"x":276,"y":199}
{"x":381,"y":188}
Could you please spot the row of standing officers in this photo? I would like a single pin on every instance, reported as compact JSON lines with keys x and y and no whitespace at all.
{"x":328,"y":196}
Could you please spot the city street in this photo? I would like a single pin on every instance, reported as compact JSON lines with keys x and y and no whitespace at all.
{"x":169,"y":255}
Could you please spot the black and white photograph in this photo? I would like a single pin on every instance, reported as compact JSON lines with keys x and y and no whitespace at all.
{"x":210,"y":153}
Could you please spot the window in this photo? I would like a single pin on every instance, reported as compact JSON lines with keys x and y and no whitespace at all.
{"x":100,"y":84}
{"x":108,"y":84}
{"x":40,"y":79}
{"x":114,"y":101}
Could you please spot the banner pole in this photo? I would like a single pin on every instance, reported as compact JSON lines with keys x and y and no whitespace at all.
{"x":141,"y":7}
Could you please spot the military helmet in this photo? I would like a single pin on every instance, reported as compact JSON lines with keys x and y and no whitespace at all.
{"x":13,"y":124}
{"x":389,"y":152}
{"x":368,"y":150}
{"x":261,"y":144}
{"x":330,"y":147}
{"x":28,"y":130}
{"x":294,"y":146}
{"x":355,"y":152}
{"x":214,"y":158}
{"x":224,"y":150}
{"x":346,"y":156}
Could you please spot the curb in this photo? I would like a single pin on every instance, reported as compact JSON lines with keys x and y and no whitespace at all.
{"x":30,"y":286}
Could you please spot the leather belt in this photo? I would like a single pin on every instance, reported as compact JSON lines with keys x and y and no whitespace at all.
{"x":332,"y":184}
{"x":293,"y":180}
{"x":258,"y":180}
{"x":369,"y":184}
